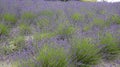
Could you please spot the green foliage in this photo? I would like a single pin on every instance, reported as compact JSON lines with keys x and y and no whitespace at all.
{"x":65,"y":30}
{"x":27,"y":15}
{"x":44,"y":22}
{"x":111,"y":49}
{"x":76,"y":17}
{"x":3,"y":29}
{"x":84,"y":53}
{"x":52,"y":57}
{"x":23,"y":63}
{"x":47,"y":13}
{"x":99,"y":22}
{"x":41,"y":36}
{"x":24,"y":28}
{"x":115,"y":19}
{"x":87,"y":27}
{"x":17,"y":43}
{"x":10,"y":18}
{"x":5,"y":50}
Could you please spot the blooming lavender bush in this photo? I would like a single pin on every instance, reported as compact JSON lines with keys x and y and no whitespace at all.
{"x":24,"y":31}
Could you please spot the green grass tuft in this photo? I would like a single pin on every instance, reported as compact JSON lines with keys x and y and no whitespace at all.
{"x":28,"y":16}
{"x":24,"y":29}
{"x":115,"y":19}
{"x":111,"y":49}
{"x":84,"y":53}
{"x":77,"y":17}
{"x":10,"y":18}
{"x":17,"y":43}
{"x":3,"y":29}
{"x":52,"y":57}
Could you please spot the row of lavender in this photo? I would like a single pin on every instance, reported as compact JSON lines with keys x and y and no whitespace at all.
{"x":66,"y":35}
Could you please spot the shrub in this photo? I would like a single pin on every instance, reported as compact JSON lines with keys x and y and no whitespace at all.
{"x":10,"y":18}
{"x":65,"y":31}
{"x":44,"y":22}
{"x":3,"y":29}
{"x":84,"y":53}
{"x":110,"y":49}
{"x":47,"y":13}
{"x":76,"y":17}
{"x":86,"y":28}
{"x":115,"y":19}
{"x":17,"y":43}
{"x":27,"y":15}
{"x":100,"y":22}
{"x":25,"y":28}
{"x":52,"y":57}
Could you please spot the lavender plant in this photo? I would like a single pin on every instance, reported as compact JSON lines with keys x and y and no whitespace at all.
{"x":17,"y":43}
{"x":110,"y":49}
{"x":84,"y":53}
{"x":24,"y":29}
{"x":100,"y":23}
{"x":65,"y":32}
{"x":77,"y":17}
{"x":48,"y":13}
{"x":115,"y":19}
{"x":10,"y":18}
{"x":43,"y":23}
{"x":28,"y":17}
{"x":3,"y":29}
{"x":52,"y":57}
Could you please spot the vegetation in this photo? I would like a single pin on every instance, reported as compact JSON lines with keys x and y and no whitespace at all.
{"x":3,"y":29}
{"x":52,"y":57}
{"x":53,"y":39}
{"x":24,"y":29}
{"x":110,"y":49}
{"x":10,"y":18}
{"x":84,"y":53}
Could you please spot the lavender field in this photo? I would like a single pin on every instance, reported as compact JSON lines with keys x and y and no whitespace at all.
{"x":38,"y":33}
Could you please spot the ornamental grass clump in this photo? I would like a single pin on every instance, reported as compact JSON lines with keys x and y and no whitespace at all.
{"x":42,"y":23}
{"x":3,"y":29}
{"x":100,"y":23}
{"x":17,"y":43}
{"x":24,"y":29}
{"x":9,"y":18}
{"x":77,"y":17}
{"x":27,"y":15}
{"x":115,"y":19}
{"x":47,"y":13}
{"x":84,"y":53}
{"x":65,"y":32}
{"x":110,"y":49}
{"x":50,"y":56}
